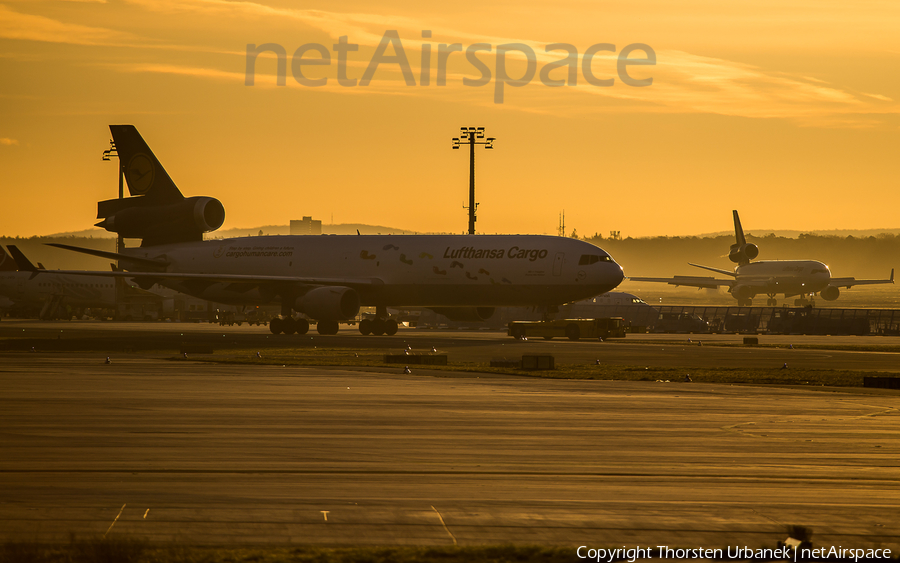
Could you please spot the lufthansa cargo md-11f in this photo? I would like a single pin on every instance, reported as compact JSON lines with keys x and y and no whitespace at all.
{"x":328,"y":277}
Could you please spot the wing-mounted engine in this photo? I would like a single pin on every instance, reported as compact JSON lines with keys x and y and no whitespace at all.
{"x":830,"y":293}
{"x":743,"y":253}
{"x":462,"y":314}
{"x":329,"y":303}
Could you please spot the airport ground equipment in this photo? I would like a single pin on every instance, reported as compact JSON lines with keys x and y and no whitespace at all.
{"x":681,"y":322}
{"x":573,"y":329}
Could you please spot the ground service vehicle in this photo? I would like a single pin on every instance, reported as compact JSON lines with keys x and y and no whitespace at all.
{"x":573,"y":329}
{"x":680,"y":322}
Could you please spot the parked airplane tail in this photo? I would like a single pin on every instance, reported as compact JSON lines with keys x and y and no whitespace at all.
{"x":7,"y":264}
{"x":22,"y":263}
{"x":157,"y":212}
{"x":741,"y":251}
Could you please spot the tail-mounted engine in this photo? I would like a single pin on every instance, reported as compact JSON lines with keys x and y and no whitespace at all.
{"x":743,"y":253}
{"x":161,"y":223}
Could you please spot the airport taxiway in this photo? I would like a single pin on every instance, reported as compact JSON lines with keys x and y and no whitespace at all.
{"x":222,"y":454}
{"x":870,"y":353}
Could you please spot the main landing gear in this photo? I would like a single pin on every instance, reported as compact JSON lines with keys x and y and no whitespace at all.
{"x":380,"y":325}
{"x":771,"y":301}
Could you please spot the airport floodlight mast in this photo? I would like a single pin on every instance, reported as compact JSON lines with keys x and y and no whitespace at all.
{"x":107,"y":155}
{"x":472,"y":136}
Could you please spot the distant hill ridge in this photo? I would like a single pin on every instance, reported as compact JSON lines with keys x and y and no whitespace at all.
{"x":350,"y":229}
{"x":337,"y":229}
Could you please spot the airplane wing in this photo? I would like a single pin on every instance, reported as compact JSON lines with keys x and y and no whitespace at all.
{"x":147,"y":262}
{"x":850,"y":282}
{"x":155,"y":277}
{"x":716,"y":270}
{"x":689,"y":281}
{"x":147,"y":279}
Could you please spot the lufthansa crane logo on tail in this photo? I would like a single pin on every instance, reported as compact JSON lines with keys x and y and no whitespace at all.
{"x":139,"y":174}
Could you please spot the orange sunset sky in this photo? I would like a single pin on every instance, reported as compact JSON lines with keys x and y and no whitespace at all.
{"x":784,"y":110}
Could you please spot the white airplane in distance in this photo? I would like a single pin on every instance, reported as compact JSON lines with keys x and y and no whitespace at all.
{"x":803,"y":278}
{"x":20,"y":285}
{"x":328,"y":277}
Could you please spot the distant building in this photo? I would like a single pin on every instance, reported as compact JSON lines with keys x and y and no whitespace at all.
{"x":306,"y":226}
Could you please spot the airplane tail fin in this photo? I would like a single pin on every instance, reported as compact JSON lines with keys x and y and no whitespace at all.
{"x":157,"y":213}
{"x":7,"y":264}
{"x":738,"y":230}
{"x":741,"y":252}
{"x":23,"y":263}
{"x":143,"y":172}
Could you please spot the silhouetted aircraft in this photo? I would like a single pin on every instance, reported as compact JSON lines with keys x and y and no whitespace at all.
{"x":328,"y":277}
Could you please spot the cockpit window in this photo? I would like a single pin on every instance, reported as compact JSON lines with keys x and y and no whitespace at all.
{"x":592,"y":259}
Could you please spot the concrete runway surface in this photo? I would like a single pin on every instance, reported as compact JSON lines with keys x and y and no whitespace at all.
{"x":224,"y":454}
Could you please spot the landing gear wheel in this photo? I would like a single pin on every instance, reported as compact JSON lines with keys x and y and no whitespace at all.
{"x":365,"y":327}
{"x":289,"y":326}
{"x":772,"y":302}
{"x":390,"y":327}
{"x":573,"y":332}
{"x":378,"y":327}
{"x":276,"y":325}
{"x":301,"y":326}
{"x":327,"y":327}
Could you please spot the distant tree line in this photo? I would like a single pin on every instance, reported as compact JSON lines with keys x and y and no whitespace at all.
{"x":860,"y":257}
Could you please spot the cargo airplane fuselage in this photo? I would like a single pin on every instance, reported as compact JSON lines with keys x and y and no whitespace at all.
{"x":396,"y":270}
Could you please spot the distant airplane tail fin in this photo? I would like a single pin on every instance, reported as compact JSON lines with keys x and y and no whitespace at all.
{"x":738,"y":230}
{"x":741,"y":252}
{"x":7,"y":264}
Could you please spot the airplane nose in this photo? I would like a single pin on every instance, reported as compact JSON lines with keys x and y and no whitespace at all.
{"x":613,"y":274}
